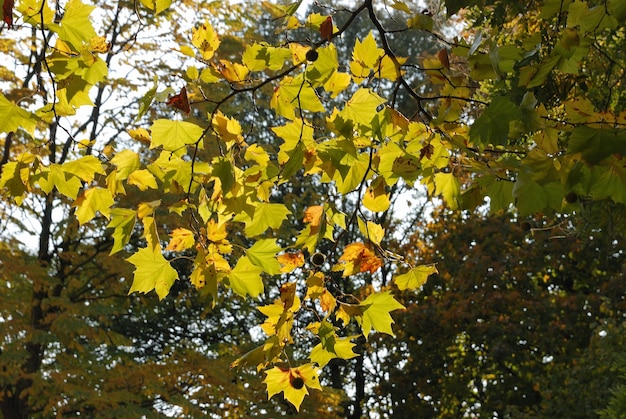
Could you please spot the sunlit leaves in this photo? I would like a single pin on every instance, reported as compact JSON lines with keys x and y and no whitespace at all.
{"x":152,"y":272}
{"x":245,"y":278}
{"x":356,"y":258}
{"x":376,"y":313}
{"x":362,"y":106}
{"x":174,"y":135}
{"x":182,"y":239}
{"x":205,"y":39}
{"x":263,"y":253}
{"x":292,"y":382}
{"x":14,"y":117}
{"x":266,"y":215}
{"x":91,"y":201}
{"x":123,"y":223}
{"x":331,"y":346}
{"x":75,"y":26}
{"x":415,"y":277}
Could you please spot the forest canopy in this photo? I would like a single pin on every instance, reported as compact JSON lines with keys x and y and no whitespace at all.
{"x":284,"y":177}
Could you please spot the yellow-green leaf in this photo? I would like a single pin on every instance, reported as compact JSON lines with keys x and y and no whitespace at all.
{"x":266,"y":216}
{"x":123,"y":223}
{"x":142,"y":179}
{"x":174,"y":135}
{"x":376,"y":313}
{"x":415,"y":277}
{"x":14,"y":117}
{"x":153,"y":272}
{"x":263,"y":254}
{"x":85,"y":168}
{"x":75,"y":26}
{"x":245,"y":278}
{"x":361,"y":108}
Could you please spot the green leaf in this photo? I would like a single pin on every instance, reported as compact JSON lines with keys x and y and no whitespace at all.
{"x":376,"y":313}
{"x":92,"y":201}
{"x":266,"y":216}
{"x":597,"y":144}
{"x":14,"y":117}
{"x":153,"y":272}
{"x":415,"y":278}
{"x":123,"y":222}
{"x":245,"y":278}
{"x":492,"y":127}
{"x":263,"y":254}
{"x":174,"y":135}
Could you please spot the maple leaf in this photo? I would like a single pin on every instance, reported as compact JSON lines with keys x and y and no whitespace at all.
{"x":206,"y":40}
{"x":331,"y":346}
{"x":376,"y":198}
{"x":85,"y":168}
{"x":415,"y":278}
{"x":180,"y":101}
{"x":14,"y":117}
{"x":356,"y":258}
{"x":292,"y":382}
{"x":123,"y":222}
{"x":263,"y":254}
{"x":174,"y":135}
{"x":181,"y":239}
{"x":153,"y":272}
{"x":75,"y":26}
{"x":290,"y":261}
{"x":245,"y":278}
{"x":361,"y":107}
{"x":91,"y":201}
{"x":266,"y":216}
{"x":376,"y":313}
{"x":7,"y":12}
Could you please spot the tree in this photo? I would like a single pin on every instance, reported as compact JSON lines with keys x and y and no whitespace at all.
{"x":497,"y":114}
{"x":517,"y":324}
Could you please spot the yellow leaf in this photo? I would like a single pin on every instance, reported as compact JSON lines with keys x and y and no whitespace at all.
{"x":142,"y":179}
{"x":126,"y":161}
{"x":374,"y":232}
{"x":91,"y":201}
{"x":361,"y":108}
{"x":292,"y":382}
{"x":152,"y":272}
{"x":376,"y":198}
{"x":140,"y":134}
{"x":145,"y":209}
{"x":233,"y":72}
{"x":228,"y":129}
{"x":182,"y":239}
{"x":85,"y":168}
{"x":205,"y":39}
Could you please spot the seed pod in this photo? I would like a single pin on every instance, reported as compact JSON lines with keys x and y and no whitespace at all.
{"x":311,"y":55}
{"x":296,"y":382}
{"x":318,"y":259}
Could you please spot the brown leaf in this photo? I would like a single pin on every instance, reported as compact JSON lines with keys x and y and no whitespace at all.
{"x":7,"y":12}
{"x":180,"y":101}
{"x":326,"y":28}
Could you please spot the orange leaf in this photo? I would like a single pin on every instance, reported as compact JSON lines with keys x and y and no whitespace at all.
{"x":359,"y":257}
{"x":313,"y":215}
{"x":180,"y":101}
{"x":290,"y":261}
